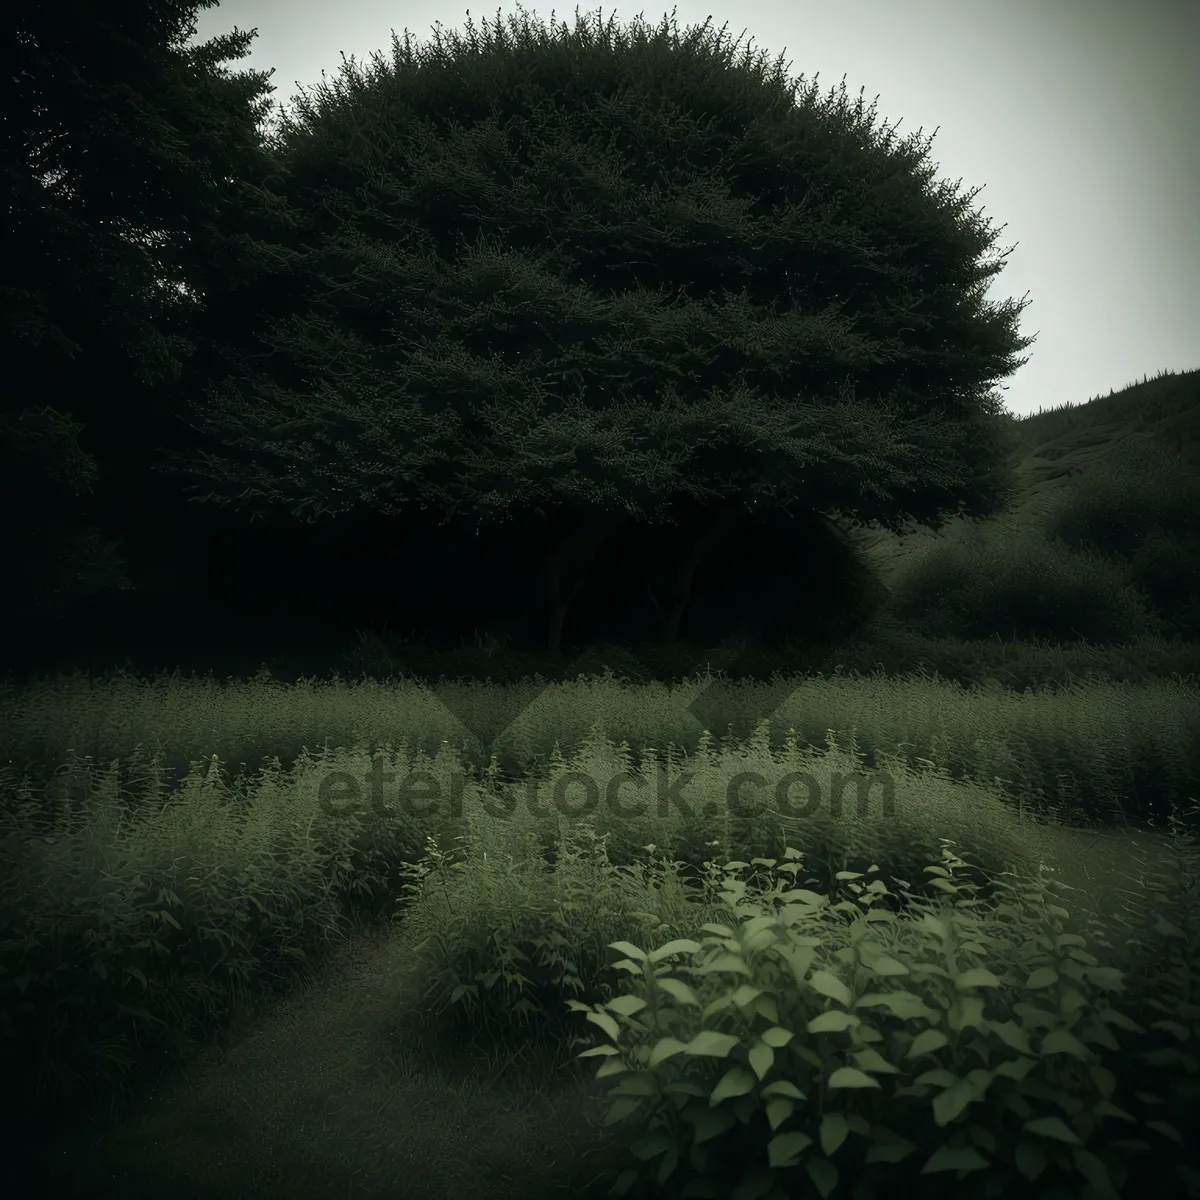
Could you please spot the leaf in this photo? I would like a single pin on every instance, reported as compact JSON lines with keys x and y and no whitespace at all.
{"x":1052,"y":1127}
{"x":834,"y":1128}
{"x":711,"y":1044}
{"x":851,"y":1077}
{"x":737,"y":1081}
{"x":831,"y":986}
{"x":950,"y":1158}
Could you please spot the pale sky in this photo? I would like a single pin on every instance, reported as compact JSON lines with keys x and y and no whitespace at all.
{"x":1077,"y":118}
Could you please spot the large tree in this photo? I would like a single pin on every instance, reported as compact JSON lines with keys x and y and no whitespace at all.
{"x":131,"y":171}
{"x":599,"y":273}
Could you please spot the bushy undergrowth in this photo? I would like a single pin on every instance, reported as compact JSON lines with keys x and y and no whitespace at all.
{"x":950,"y":1055}
{"x":888,"y":646}
{"x":869,"y":1049}
{"x":1015,"y":584}
{"x":137,"y":922}
{"x":498,"y":944}
{"x":502,"y":940}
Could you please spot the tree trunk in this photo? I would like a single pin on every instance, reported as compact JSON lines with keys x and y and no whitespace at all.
{"x":556,"y":615}
{"x":717,"y":531}
{"x":596,"y":526}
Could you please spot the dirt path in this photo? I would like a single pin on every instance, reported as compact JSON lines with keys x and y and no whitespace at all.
{"x":326,"y":1096}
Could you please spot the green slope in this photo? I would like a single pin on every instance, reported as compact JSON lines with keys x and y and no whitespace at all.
{"x":1053,"y":449}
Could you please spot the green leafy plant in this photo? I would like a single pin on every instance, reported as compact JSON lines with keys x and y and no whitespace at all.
{"x":498,"y":949}
{"x":943,"y":1046}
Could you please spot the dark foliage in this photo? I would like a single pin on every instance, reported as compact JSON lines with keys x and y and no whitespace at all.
{"x":1156,"y":491}
{"x":129,"y":168}
{"x":561,"y":337}
{"x":602,"y":275}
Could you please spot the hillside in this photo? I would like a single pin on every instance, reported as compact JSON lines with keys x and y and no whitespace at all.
{"x":1056,"y":446}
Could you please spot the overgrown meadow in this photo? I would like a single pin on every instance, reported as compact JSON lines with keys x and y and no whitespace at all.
{"x":913,"y":914}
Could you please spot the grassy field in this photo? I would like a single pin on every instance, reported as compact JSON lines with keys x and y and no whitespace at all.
{"x":234,"y":987}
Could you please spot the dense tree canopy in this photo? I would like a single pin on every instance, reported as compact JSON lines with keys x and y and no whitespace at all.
{"x":125,"y":161}
{"x":612,"y":277}
{"x":601,"y":270}
{"x":610,"y":273}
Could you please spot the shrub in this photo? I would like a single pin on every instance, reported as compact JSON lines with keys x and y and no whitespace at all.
{"x":933,"y":1047}
{"x":499,"y":946}
{"x":1012,"y":583}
